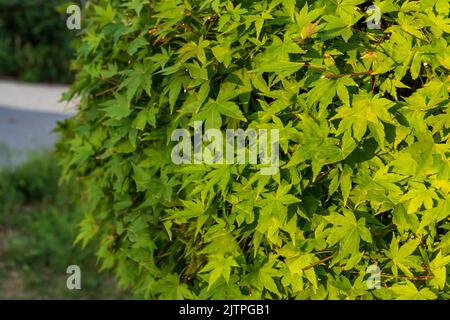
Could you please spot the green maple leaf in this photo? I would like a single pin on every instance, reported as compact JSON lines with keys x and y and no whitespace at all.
{"x":138,"y":79}
{"x":274,"y":211}
{"x":219,"y":266}
{"x":117,"y":108}
{"x":318,"y":147}
{"x":265,"y":276}
{"x":324,"y":90}
{"x":222,"y":54}
{"x":402,"y":256}
{"x":136,"y":5}
{"x":439,"y":270}
{"x":297,"y":263}
{"x":348,"y":231}
{"x":105,"y":15}
{"x":366,"y":111}
{"x":420,"y":195}
{"x":408,"y":291}
{"x":213,"y":111}
{"x":336,"y":26}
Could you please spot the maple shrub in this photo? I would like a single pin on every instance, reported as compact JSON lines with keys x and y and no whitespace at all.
{"x":364,"y":123}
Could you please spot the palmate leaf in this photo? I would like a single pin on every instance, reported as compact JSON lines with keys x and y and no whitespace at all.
{"x":280,"y":50}
{"x":222,"y":54}
{"x":170,"y":287}
{"x":274,"y":212}
{"x":265,"y":277}
{"x":343,"y":16}
{"x":219,"y":266}
{"x":439,"y":270}
{"x":408,"y":291}
{"x":366,"y":112}
{"x":348,"y":231}
{"x":324,"y":90}
{"x":305,"y":21}
{"x":117,"y":108}
{"x":139,"y":79}
{"x":418,"y":196}
{"x":105,"y":15}
{"x":318,"y":147}
{"x":192,"y":209}
{"x":335,"y":27}
{"x":276,"y":58}
{"x":136,"y":5}
{"x":299,"y":265}
{"x":402,"y":256}
{"x":213,"y":111}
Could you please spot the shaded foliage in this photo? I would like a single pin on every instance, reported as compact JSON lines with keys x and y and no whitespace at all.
{"x":364,"y":126}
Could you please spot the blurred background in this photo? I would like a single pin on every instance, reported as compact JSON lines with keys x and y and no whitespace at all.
{"x":39,"y":217}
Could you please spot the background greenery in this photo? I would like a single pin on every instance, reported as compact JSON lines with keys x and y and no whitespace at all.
{"x":35,"y":44}
{"x":38,"y":221}
{"x":38,"y":217}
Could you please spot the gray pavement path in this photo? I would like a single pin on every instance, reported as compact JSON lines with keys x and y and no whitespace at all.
{"x":34,"y":97}
{"x":22,"y":132}
{"x":28,"y":115}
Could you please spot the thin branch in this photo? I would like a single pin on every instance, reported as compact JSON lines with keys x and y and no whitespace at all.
{"x":317,"y":263}
{"x":107,"y":91}
{"x":356,"y":74}
{"x":373,"y":84}
{"x":111,"y":81}
{"x":314,"y":67}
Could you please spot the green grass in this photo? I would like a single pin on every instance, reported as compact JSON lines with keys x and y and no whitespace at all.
{"x":38,"y":223}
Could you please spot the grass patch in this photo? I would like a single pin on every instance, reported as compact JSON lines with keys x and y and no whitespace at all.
{"x":38,"y":223}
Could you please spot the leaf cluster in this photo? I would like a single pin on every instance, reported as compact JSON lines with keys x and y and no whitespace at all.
{"x":364,"y":121}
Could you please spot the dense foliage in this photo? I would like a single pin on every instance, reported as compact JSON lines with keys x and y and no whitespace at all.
{"x":364,"y":120}
{"x":34,"y":40}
